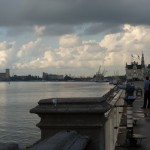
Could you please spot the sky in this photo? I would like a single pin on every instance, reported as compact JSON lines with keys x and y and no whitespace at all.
{"x":73,"y":37}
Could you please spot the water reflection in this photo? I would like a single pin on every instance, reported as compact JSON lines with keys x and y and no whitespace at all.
{"x":17,"y":98}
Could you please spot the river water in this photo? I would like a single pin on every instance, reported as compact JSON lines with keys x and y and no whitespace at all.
{"x":17,"y":98}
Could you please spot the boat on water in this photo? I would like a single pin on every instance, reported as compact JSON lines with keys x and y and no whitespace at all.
{"x":99,"y":76}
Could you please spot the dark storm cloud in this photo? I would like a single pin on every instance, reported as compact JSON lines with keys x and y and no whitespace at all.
{"x":70,"y":12}
{"x":55,"y":30}
{"x":96,"y":28}
{"x":16,"y":31}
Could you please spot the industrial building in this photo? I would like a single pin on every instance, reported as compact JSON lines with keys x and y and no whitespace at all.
{"x":52,"y":77}
{"x":5,"y":76}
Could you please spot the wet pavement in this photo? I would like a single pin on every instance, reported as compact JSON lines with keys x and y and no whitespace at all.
{"x":142,"y":126}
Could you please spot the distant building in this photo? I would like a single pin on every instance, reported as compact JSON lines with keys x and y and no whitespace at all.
{"x":52,"y":77}
{"x":135,"y":71}
{"x":5,"y":76}
{"x":147,"y":70}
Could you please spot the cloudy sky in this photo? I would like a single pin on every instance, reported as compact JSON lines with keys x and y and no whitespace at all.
{"x":72,"y":36}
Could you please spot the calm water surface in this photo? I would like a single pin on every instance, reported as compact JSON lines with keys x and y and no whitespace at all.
{"x":17,"y":98}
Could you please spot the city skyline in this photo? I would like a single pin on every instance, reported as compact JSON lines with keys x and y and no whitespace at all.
{"x":72,"y":37}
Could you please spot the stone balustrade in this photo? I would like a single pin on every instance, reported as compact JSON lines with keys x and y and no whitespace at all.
{"x":87,"y":116}
{"x":84,"y":115}
{"x":63,"y":141}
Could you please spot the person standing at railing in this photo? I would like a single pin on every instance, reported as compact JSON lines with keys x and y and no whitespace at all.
{"x":146,"y":103}
{"x":129,"y":90}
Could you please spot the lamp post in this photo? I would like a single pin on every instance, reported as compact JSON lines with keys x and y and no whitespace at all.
{"x":129,"y":99}
{"x":131,"y":138}
{"x":130,"y":118}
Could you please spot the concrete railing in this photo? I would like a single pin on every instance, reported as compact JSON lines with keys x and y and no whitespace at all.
{"x":63,"y":141}
{"x":113,"y":121}
{"x":95,"y":117}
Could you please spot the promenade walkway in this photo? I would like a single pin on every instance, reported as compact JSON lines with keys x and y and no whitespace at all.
{"x":142,"y":126}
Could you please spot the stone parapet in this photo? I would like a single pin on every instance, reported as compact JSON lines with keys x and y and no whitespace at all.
{"x":9,"y":146}
{"x":84,"y":115}
{"x":64,"y":141}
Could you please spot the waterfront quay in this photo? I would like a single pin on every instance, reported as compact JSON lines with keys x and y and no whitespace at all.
{"x":141,"y":126}
{"x":98,"y":123}
{"x":89,"y":123}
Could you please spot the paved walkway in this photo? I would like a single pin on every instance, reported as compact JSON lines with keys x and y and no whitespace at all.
{"x":142,"y":126}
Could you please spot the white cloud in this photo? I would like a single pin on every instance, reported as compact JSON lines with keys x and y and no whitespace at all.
{"x":28,"y":48}
{"x":73,"y":53}
{"x":5,"y":52}
{"x":3,"y":58}
{"x":39,"y":29}
{"x":69,"y":41}
{"x":5,"y":45}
